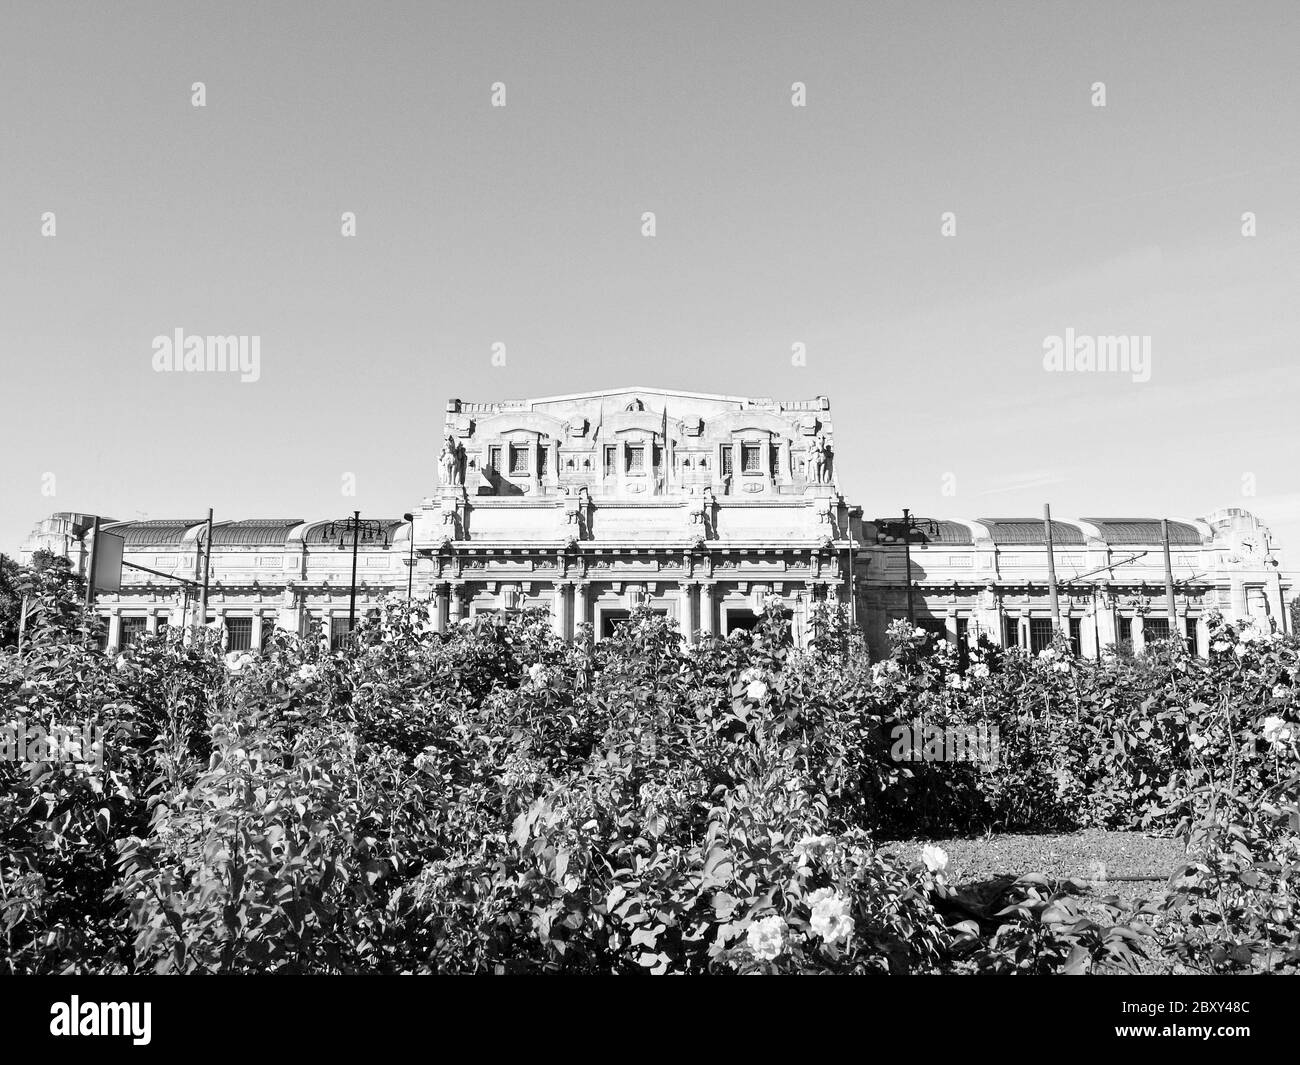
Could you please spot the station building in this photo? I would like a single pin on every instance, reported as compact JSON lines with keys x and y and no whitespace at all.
{"x":702,"y":507}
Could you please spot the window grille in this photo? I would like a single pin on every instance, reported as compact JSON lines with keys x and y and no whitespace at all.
{"x":239,"y":634}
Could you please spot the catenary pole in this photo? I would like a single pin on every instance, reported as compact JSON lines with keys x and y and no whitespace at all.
{"x":1171,"y":610}
{"x":1053,"y":598}
{"x":207,"y":570}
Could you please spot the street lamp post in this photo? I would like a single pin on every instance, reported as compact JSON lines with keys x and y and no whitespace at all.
{"x":909,"y":525}
{"x":410,"y":562}
{"x":366,"y":530}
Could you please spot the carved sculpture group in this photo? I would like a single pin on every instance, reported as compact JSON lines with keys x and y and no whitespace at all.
{"x":452,"y":459}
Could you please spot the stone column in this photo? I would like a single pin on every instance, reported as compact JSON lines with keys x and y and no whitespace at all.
{"x":257,"y":630}
{"x":580,"y":614}
{"x":558,"y":593}
{"x":1240,"y":607}
{"x":1088,"y":646}
{"x":456,"y":605}
{"x":799,"y":620}
{"x":114,"y":628}
{"x":1202,"y":637}
{"x":1107,"y":631}
{"x":685,"y":620}
{"x":438,"y":607}
{"x":1273,"y":596}
{"x":1139,"y":635}
{"x":707,"y":625}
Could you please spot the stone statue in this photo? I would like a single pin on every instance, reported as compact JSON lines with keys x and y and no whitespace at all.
{"x":709,"y":504}
{"x":819,"y":464}
{"x":452,"y":459}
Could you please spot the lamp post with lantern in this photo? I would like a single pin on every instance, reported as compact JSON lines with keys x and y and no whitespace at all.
{"x":361,"y":530}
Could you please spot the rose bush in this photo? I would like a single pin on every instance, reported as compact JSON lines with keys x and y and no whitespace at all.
{"x":495,"y":800}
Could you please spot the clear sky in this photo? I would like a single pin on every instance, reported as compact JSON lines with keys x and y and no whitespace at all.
{"x":775,"y":225}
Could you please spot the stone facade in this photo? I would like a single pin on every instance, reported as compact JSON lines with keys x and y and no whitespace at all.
{"x":592,"y":504}
{"x":702,"y":507}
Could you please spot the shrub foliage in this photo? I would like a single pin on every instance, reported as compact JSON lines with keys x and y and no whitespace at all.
{"x":495,"y":800}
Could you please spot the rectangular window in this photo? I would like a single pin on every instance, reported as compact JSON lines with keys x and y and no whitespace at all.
{"x":1076,"y":637}
{"x":1154,"y":629}
{"x":239,"y":634}
{"x":518,"y":460}
{"x":635,"y":459}
{"x":935,"y":628}
{"x":726,"y":460}
{"x":749,"y":458}
{"x":494,"y":459}
{"x":131,"y":630}
{"x":339,"y":634}
{"x":1010,"y":632}
{"x":1125,"y":640}
{"x":1191,"y":636}
{"x":963,"y":647}
{"x":611,"y":460}
{"x":161,"y":622}
{"x":1040,"y":634}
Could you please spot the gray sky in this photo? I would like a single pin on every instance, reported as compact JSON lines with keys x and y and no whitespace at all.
{"x":776,"y":225}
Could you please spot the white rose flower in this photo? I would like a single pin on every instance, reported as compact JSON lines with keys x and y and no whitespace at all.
{"x":237,"y":661}
{"x":830,"y":916}
{"x":756,"y":690}
{"x":935,"y":858}
{"x":1281,"y":691}
{"x":307,"y":673}
{"x":813,"y":846}
{"x":979,"y":669}
{"x":1220,"y":646}
{"x":1277,"y":731}
{"x":766,"y":938}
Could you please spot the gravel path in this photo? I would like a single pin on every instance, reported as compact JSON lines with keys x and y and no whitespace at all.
{"x":1090,"y":855}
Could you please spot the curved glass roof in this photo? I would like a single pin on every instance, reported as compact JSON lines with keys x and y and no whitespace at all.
{"x":158,"y":532}
{"x":318,"y":534}
{"x":1144,"y":531}
{"x":1031,"y":531}
{"x":257,"y":532}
